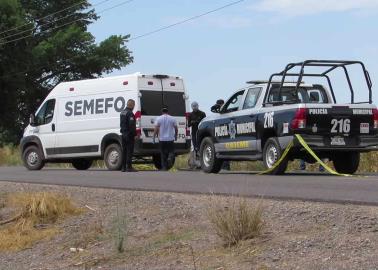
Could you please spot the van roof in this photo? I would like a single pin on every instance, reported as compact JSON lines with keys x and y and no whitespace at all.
{"x":68,"y":88}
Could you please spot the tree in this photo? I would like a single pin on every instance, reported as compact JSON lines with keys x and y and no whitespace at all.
{"x":57,"y":48}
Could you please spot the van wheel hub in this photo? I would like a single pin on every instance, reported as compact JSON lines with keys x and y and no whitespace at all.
{"x":33,"y":158}
{"x":113,"y":157}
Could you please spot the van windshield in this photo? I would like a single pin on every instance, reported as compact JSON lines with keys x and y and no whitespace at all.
{"x":153,"y":101}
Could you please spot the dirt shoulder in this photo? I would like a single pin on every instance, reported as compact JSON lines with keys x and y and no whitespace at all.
{"x":172,"y":231}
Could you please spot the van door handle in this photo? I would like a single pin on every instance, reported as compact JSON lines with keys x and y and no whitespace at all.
{"x":53,"y":127}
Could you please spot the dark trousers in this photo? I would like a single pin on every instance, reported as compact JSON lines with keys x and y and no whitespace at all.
{"x":167,"y":152}
{"x":127,"y":152}
{"x":194,"y":139}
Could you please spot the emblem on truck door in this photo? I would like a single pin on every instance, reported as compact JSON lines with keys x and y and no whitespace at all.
{"x":232,"y":129}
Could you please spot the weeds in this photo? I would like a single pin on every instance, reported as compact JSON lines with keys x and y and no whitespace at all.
{"x":120,"y":230}
{"x":235,"y":222}
{"x":34,"y":215}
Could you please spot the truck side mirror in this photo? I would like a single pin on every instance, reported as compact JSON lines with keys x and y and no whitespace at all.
{"x":216,"y":108}
{"x":32,"y":120}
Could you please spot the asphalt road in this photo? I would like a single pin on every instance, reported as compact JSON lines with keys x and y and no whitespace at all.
{"x":313,"y":187}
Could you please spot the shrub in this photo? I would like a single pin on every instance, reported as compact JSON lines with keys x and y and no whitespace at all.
{"x":237,"y":221}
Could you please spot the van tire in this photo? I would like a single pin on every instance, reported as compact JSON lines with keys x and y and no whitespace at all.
{"x":209,"y":162}
{"x":346,"y":163}
{"x":33,"y":158}
{"x":271,"y":153}
{"x":82,"y":164}
{"x":113,"y":157}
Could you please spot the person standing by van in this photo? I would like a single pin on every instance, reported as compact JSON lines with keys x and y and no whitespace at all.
{"x":195,"y":118}
{"x":128,"y":131}
{"x":167,"y":131}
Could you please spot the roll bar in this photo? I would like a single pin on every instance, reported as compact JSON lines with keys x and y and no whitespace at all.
{"x":331,"y":65}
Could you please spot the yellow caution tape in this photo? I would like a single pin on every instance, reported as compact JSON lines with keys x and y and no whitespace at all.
{"x":308,"y":149}
{"x":328,"y":169}
{"x":278,"y":162}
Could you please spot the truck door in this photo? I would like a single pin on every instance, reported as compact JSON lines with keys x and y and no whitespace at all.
{"x":225,"y":129}
{"x":45,"y":125}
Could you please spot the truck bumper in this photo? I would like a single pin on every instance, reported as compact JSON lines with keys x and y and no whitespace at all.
{"x":352,"y":143}
{"x":149,"y":149}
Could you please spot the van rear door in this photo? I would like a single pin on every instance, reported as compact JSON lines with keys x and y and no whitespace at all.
{"x":167,"y":92}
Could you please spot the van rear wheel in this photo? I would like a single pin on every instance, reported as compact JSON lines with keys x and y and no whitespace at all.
{"x":82,"y":164}
{"x":32,"y":158}
{"x":113,"y":157}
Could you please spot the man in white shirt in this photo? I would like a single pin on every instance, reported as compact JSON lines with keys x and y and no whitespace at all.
{"x":166,"y":129}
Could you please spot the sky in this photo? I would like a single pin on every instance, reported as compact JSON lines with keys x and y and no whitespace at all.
{"x":216,"y":54}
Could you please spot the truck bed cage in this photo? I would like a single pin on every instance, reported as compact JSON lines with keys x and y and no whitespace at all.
{"x":330,"y":66}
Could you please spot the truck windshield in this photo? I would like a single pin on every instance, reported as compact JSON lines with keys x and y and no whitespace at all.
{"x":153,"y":101}
{"x":305,"y":95}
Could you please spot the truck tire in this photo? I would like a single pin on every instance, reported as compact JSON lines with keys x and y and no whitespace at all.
{"x":271,"y":153}
{"x":82,"y":164}
{"x":347,"y":162}
{"x":113,"y":157}
{"x":209,"y":162}
{"x":33,"y":158}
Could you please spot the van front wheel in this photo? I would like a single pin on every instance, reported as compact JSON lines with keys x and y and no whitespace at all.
{"x":113,"y":157}
{"x":32,"y":158}
{"x":82,"y":164}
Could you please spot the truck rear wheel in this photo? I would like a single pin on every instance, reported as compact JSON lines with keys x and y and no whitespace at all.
{"x":32,"y":158}
{"x":113,"y":157}
{"x":271,"y":154}
{"x":82,"y":164}
{"x":209,"y":161}
{"x":346,"y":162}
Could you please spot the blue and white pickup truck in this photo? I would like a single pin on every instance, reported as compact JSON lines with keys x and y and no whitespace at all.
{"x":259,"y":120}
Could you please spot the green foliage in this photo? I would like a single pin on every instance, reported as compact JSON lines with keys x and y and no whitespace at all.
{"x":31,"y":67}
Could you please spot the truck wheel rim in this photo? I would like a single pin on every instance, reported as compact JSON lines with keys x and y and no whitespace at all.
{"x":207,"y":155}
{"x":32,"y":158}
{"x":271,"y":156}
{"x":113,"y":157}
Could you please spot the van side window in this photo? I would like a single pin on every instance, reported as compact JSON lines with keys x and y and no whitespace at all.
{"x":233,"y":103}
{"x":251,"y":98}
{"x":46,"y":113}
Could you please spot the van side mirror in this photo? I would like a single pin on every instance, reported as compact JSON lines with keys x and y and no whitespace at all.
{"x":32,"y":120}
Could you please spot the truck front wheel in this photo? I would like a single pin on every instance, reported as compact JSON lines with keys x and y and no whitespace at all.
{"x":209,"y":161}
{"x":271,"y":154}
{"x":346,"y":162}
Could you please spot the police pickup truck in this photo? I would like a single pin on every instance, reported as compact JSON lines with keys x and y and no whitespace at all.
{"x":260,"y":120}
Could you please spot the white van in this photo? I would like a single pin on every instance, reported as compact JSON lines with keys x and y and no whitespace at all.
{"x":79,"y":121}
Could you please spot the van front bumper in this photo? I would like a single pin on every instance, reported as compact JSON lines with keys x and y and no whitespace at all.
{"x":149,"y":149}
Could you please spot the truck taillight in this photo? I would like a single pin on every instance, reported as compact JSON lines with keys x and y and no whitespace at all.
{"x":187,"y":129}
{"x":138,"y":116}
{"x":375,"y":118}
{"x":299,"y":120}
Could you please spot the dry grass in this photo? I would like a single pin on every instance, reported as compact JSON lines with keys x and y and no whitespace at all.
{"x":10,"y":156}
{"x":34,"y":215}
{"x":236,"y":221}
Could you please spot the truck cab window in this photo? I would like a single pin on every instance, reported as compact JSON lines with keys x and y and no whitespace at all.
{"x":46,"y":113}
{"x":251,"y":98}
{"x":233,"y":103}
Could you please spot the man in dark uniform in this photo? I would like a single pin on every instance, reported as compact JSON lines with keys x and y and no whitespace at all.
{"x":128,"y":131}
{"x":195,"y":118}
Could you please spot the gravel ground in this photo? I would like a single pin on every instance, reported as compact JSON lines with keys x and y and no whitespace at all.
{"x":172,"y":231}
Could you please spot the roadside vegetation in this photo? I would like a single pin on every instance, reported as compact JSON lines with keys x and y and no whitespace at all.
{"x":31,"y":217}
{"x":10,"y":156}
